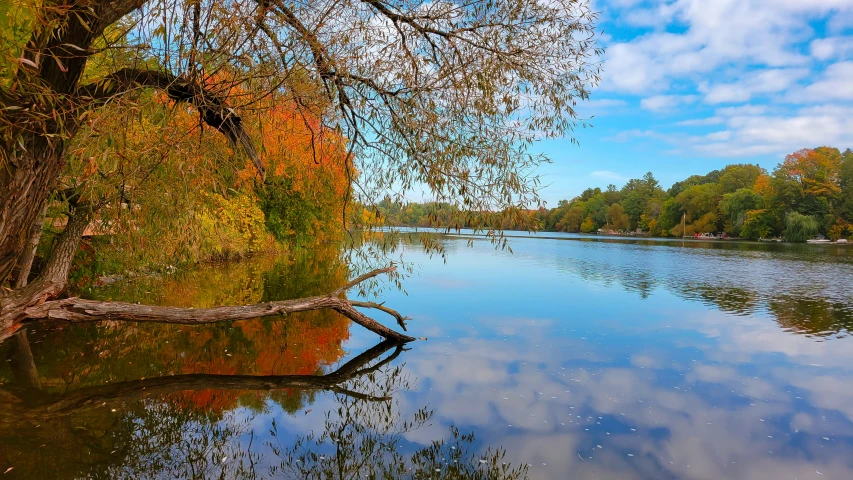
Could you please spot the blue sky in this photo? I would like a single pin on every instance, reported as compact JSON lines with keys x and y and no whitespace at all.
{"x":693,"y":85}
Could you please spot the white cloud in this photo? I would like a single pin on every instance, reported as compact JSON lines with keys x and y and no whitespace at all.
{"x":780,"y":134}
{"x":740,"y":33}
{"x":753,"y":83}
{"x":660,"y":103}
{"x":719,"y":33}
{"x":761,"y":57}
{"x":626,"y":135}
{"x":832,"y":48}
{"x":836,"y":83}
{"x":721,"y":135}
{"x":753,"y":130}
{"x":741,"y":110}
{"x":699,"y":122}
{"x":624,"y":3}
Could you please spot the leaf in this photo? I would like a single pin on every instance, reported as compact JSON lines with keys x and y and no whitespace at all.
{"x":62,"y":67}
{"x":27,"y":62}
{"x":75,"y":47}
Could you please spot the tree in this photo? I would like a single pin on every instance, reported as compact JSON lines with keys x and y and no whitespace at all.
{"x":845,"y":208}
{"x":699,"y":202}
{"x":736,"y":177}
{"x":595,"y":209}
{"x":612,"y":195}
{"x":616,"y":218}
{"x":736,"y":205}
{"x":636,"y":194}
{"x":757,"y":224}
{"x":799,"y":227}
{"x":588,"y":225}
{"x":572,"y":219}
{"x":442,"y":95}
{"x":808,"y":182}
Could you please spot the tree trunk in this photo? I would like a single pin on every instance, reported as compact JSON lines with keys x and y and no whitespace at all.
{"x":25,"y":262}
{"x":31,"y":170}
{"x":39,"y":115}
{"x":26,"y":180}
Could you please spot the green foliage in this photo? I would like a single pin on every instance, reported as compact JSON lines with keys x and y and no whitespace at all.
{"x":799,"y":227}
{"x":572,"y":219}
{"x":741,"y":200}
{"x":736,"y":177}
{"x":736,"y":205}
{"x":289,"y":214}
{"x":636,"y":194}
{"x":617,"y":219}
{"x":596,"y":209}
{"x":16,"y":17}
{"x":757,"y":224}
{"x":845,"y":209}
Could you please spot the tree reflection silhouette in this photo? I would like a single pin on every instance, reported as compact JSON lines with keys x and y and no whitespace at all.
{"x":362,"y":439}
{"x":130,"y":430}
{"x":723,"y":282}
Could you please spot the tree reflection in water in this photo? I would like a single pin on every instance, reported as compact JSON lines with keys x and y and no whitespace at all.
{"x":129,"y":430}
{"x":165,"y":401}
{"x":362,"y":439}
{"x":801,"y":294}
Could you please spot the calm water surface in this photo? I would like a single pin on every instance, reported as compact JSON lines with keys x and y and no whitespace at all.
{"x":571,"y":357}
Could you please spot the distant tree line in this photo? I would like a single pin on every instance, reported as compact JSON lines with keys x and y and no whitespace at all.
{"x":810,"y":193}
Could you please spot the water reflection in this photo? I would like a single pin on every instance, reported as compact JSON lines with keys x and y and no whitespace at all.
{"x":156,"y":427}
{"x":634,"y":361}
{"x":359,"y":440}
{"x":242,"y":400}
{"x":801,"y":287}
{"x":581,"y":358}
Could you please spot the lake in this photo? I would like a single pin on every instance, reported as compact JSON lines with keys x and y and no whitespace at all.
{"x":570,"y":357}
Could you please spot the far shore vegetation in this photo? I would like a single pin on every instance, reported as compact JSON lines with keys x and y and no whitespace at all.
{"x":809,"y":193}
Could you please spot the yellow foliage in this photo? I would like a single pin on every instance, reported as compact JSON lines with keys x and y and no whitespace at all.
{"x":229,"y":227}
{"x":840,"y":229}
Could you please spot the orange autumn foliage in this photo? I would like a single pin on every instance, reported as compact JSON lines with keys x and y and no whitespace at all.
{"x":301,"y":344}
{"x":295,"y":144}
{"x":817,"y":170}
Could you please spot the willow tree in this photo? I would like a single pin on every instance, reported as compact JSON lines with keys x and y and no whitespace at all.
{"x":443,"y":96}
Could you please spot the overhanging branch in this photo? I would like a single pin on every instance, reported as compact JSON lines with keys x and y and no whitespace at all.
{"x":213,"y":109}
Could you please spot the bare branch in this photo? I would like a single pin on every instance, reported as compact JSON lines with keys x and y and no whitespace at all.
{"x":401,"y":320}
{"x":364,"y":277}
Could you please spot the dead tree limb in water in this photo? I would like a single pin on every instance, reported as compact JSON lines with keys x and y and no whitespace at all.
{"x":78,"y":310}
